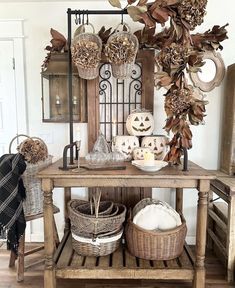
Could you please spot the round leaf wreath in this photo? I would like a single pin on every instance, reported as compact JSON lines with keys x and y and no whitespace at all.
{"x":179,"y":52}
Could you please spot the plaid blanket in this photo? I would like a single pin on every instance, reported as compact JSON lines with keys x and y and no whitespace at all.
{"x":12,"y":192}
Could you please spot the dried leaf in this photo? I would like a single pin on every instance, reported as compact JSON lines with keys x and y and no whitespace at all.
{"x":131,"y":1}
{"x":57,"y":35}
{"x":135,"y":12}
{"x":57,"y":44}
{"x":115,"y":3}
{"x":149,"y":22}
{"x":160,"y":15}
{"x":142,"y":2}
{"x":105,"y":34}
{"x":170,"y":2}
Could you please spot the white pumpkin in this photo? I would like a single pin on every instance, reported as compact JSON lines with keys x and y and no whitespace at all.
{"x":138,"y":152}
{"x":125,"y":144}
{"x":158,"y":144}
{"x":140,"y":123}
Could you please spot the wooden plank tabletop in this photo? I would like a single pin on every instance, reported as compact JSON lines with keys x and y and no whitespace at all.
{"x":195,"y":172}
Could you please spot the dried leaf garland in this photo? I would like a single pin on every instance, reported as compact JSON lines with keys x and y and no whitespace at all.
{"x":179,"y":52}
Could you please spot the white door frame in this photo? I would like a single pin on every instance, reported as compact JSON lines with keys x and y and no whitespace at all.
{"x":12,"y":29}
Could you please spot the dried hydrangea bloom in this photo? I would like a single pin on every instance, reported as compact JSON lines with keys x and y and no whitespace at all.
{"x":173,"y":58}
{"x":178,"y":101}
{"x":86,"y":53}
{"x":33,"y":150}
{"x":121,"y":49}
{"x":192,"y":11}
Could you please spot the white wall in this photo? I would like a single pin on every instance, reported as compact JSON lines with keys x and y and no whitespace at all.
{"x":41,"y":16}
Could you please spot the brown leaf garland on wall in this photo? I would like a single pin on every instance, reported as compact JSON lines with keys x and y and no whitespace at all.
{"x":179,"y":52}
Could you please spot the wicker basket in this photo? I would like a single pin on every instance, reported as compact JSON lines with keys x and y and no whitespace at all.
{"x":33,"y":203}
{"x":100,"y":246}
{"x":124,"y":70}
{"x":154,"y":245}
{"x":82,"y":224}
{"x":87,"y":208}
{"x":87,"y":72}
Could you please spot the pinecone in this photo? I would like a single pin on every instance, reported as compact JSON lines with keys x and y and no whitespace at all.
{"x":173,"y":58}
{"x":192,"y":11}
{"x":86,"y":54}
{"x":178,"y":101}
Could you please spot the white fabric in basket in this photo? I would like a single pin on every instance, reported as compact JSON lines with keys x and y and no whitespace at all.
{"x":157,"y":217}
{"x":97,"y":241}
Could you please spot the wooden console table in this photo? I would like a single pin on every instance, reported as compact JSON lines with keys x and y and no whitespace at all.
{"x":65,"y":263}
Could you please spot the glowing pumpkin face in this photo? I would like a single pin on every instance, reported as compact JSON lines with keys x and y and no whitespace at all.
{"x":158,"y":144}
{"x":125,"y":145}
{"x":140,"y":123}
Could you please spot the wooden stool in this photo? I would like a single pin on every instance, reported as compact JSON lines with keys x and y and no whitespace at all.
{"x":221,"y":222}
{"x":21,"y":250}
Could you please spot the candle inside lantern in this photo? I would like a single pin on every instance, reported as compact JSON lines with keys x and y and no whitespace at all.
{"x":148,"y":158}
{"x":57,"y":101}
{"x":114,"y":129}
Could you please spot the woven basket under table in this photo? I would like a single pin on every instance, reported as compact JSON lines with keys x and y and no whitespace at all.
{"x":82,"y":224}
{"x":100,"y":246}
{"x":154,"y":245}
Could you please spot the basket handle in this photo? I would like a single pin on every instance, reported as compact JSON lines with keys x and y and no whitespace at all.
{"x":96,"y":199}
{"x":28,"y":137}
{"x":82,"y":29}
{"x":123,"y":24}
{"x":14,"y":138}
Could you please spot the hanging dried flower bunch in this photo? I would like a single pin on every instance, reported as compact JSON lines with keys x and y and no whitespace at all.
{"x":120,"y":50}
{"x":179,"y":52}
{"x":33,"y":150}
{"x":86,"y":53}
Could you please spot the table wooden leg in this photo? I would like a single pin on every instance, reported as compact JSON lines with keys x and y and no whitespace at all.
{"x":49,"y":272}
{"x":179,"y":200}
{"x":231,"y":240}
{"x":67,"y":198}
{"x":210,"y":224}
{"x":199,"y":277}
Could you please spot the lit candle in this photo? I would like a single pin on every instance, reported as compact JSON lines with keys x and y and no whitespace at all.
{"x":114,"y":129}
{"x":78,"y":134}
{"x":148,"y":158}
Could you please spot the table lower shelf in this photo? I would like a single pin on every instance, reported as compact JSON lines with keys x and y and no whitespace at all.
{"x":119,"y":265}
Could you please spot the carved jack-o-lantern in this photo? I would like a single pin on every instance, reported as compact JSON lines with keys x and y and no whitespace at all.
{"x":125,"y":145}
{"x":138,"y":153}
{"x":158,"y":144}
{"x":140,"y":123}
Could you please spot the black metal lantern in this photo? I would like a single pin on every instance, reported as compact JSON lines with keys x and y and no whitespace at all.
{"x":55,"y":100}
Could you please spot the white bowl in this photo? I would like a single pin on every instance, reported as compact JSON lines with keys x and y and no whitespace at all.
{"x":158,"y":164}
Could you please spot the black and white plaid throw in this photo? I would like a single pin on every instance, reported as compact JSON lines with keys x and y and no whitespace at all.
{"x":12,"y":192}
